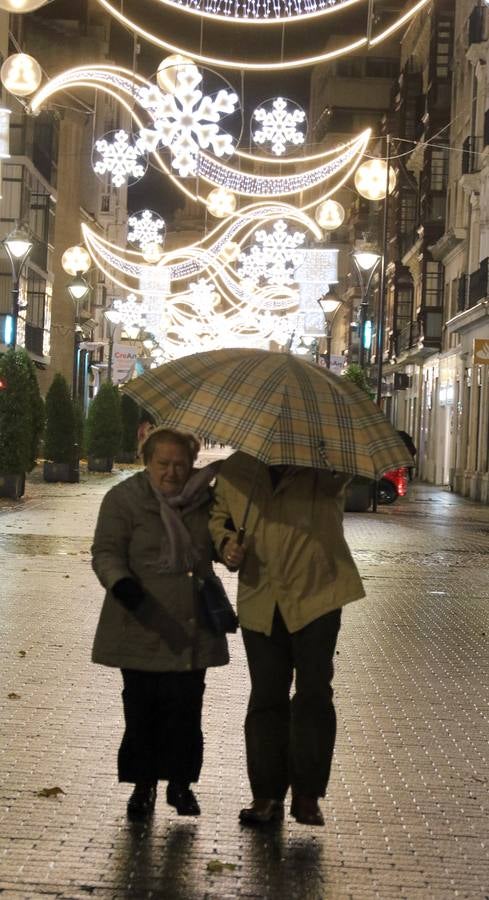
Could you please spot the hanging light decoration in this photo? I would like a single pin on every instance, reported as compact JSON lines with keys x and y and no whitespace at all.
{"x":169,"y":69}
{"x":22,"y":6}
{"x":329,"y":215}
{"x":371,"y":179}
{"x":152,"y":252}
{"x":117,"y":154}
{"x":221,"y":202}
{"x":76,"y":260}
{"x":281,"y":125}
{"x":21,"y":74}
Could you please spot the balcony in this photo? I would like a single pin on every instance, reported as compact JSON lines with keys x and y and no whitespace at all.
{"x":478,"y":284}
{"x":471,"y":152}
{"x":421,"y":338}
{"x":476,"y":26}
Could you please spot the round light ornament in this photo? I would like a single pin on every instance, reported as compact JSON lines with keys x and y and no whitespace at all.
{"x":329,"y":215}
{"x":152,"y":252}
{"x":75,"y":260}
{"x":221,"y":202}
{"x":22,"y":6}
{"x":21,"y":74}
{"x":169,"y":69}
{"x":371,"y":179}
{"x":230,"y":252}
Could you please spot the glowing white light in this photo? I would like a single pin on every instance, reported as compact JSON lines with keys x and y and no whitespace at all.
{"x":266,"y":12}
{"x":120,"y":157}
{"x":279,"y":125}
{"x":273,"y":257}
{"x":21,"y":6}
{"x":4,"y":133}
{"x":166,"y":76}
{"x":21,"y":74}
{"x":366,"y":259}
{"x":329,"y":215}
{"x":152,"y":252}
{"x":146,"y":227}
{"x":221,"y":202}
{"x":75,"y":260}
{"x":187,"y":121}
{"x":371,"y":179}
{"x":232,"y":62}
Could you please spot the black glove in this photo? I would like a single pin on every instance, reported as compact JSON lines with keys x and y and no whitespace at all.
{"x":129,"y":593}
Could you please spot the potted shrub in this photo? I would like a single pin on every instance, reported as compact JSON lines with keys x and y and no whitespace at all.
{"x":130,"y":423}
{"x":104,"y":429}
{"x":359,"y":491}
{"x":60,"y":452}
{"x":21,"y":420}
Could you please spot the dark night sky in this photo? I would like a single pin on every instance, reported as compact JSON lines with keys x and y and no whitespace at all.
{"x":243,"y":41}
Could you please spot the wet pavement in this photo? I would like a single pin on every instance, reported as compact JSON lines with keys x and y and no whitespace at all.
{"x":407,"y":807}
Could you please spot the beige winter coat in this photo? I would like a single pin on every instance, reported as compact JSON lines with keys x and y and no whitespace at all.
{"x":127,"y":543}
{"x":296,"y":553}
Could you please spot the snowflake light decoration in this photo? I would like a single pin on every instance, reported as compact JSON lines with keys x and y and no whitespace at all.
{"x":132,"y":311}
{"x":186,"y":120}
{"x":146,"y":228}
{"x":120,"y":157}
{"x":203,"y":297}
{"x":279,"y":125}
{"x":273,"y":257}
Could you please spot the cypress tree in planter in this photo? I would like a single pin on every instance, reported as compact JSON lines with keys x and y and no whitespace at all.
{"x":20,"y":421}
{"x":104,"y":429}
{"x":79,"y":426}
{"x":60,"y":453}
{"x":130,"y":422}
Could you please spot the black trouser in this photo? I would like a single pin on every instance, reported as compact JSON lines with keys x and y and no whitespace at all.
{"x":291,"y":742}
{"x":163,"y":737}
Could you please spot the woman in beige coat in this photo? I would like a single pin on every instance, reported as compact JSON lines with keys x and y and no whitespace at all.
{"x":151,"y":547}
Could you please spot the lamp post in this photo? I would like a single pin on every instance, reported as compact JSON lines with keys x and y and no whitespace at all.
{"x":113,"y":318}
{"x":366,"y":264}
{"x":329,"y":303}
{"x":18,"y":246}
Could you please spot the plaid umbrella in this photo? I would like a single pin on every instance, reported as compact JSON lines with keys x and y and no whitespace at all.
{"x":275,"y":406}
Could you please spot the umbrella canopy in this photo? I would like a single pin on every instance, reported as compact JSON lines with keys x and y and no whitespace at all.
{"x":275,"y":406}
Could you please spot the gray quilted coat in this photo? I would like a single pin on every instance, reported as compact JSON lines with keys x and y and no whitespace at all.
{"x":127,"y":543}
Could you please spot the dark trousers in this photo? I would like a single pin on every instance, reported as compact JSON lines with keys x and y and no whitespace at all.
{"x":291,"y":742}
{"x":163,"y":737}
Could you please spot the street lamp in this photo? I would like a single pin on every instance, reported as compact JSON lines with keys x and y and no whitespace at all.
{"x":329,"y":303}
{"x":366,"y":264}
{"x":78,"y":288}
{"x":18,"y":246}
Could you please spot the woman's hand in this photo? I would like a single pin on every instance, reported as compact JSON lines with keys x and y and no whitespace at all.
{"x":233,"y":554}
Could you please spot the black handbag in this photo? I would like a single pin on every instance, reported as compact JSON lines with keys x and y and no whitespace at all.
{"x":216,"y":606}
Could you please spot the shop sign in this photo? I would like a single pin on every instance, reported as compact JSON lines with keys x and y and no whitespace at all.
{"x":124,"y":358}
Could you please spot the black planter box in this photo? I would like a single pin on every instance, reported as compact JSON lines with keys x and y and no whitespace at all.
{"x":126,"y":456}
{"x":66,"y":472}
{"x":12,"y":486}
{"x":100,"y":464}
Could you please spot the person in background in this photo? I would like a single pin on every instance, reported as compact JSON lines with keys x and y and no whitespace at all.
{"x":411,"y":447}
{"x":151,"y":545}
{"x":146,"y":424}
{"x":295,"y":574}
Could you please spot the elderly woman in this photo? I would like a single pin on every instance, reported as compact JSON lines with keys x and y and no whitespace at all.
{"x":151,"y":545}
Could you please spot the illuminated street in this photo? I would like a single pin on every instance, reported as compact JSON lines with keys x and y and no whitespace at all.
{"x":407,"y":808}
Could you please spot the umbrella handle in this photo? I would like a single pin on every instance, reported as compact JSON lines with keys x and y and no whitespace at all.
{"x":240,"y":536}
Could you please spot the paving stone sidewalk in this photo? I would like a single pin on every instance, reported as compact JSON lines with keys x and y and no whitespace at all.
{"x":407,"y":809}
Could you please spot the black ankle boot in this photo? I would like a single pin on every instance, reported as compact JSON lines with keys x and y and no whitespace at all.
{"x":142,"y":801}
{"x":183,"y":799}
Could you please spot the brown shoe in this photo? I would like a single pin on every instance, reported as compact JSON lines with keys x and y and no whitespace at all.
{"x":261,"y":812}
{"x":305,"y":810}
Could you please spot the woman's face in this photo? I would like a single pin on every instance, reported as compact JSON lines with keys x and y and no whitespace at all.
{"x":169,"y":468}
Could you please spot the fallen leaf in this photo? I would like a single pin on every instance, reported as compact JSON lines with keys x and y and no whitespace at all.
{"x":50,"y":792}
{"x":14,"y":696}
{"x":66,"y":576}
{"x":22,"y":653}
{"x":217,"y":867}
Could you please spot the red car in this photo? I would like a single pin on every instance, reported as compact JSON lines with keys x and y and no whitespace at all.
{"x":392,"y":485}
